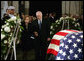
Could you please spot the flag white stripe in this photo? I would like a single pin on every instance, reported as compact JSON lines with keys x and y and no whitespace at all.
{"x":57,"y":37}
{"x":66,"y":31}
{"x":53,"y":46}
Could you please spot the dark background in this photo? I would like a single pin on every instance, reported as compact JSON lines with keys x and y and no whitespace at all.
{"x":46,"y":7}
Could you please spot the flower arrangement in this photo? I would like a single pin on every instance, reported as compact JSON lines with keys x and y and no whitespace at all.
{"x":7,"y":31}
{"x":57,"y":26}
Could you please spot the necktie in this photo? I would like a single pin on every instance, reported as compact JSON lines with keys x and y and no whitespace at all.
{"x":39,"y":24}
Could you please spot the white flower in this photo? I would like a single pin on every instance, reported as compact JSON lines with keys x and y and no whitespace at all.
{"x":11,"y":34}
{"x":5,"y":41}
{"x":9,"y":40}
{"x":67,"y":17}
{"x":3,"y":26}
{"x":7,"y":23}
{"x":51,"y":27}
{"x":13,"y":18}
{"x":73,"y":22}
{"x":1,"y":29}
{"x":61,"y":18}
{"x":20,"y":30}
{"x":11,"y":26}
{"x":7,"y":29}
{"x":19,"y":21}
{"x":56,"y":21}
{"x":74,"y":19}
{"x":2,"y":36}
{"x":15,"y":21}
{"x":77,"y":24}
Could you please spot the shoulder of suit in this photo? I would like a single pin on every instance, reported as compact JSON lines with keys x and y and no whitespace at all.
{"x":34,"y":21}
{"x":46,"y":20}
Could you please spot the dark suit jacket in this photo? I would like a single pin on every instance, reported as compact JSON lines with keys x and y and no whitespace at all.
{"x":25,"y":36}
{"x":52,"y":20}
{"x":5,"y":17}
{"x":44,"y":33}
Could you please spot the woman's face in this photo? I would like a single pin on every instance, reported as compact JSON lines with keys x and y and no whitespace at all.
{"x":27,"y":20}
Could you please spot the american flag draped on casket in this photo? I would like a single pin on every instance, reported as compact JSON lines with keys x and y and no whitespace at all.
{"x":66,"y":45}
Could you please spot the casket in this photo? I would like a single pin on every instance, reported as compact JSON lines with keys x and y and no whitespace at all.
{"x":66,"y":45}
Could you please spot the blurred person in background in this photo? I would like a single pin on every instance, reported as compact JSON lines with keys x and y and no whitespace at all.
{"x":9,"y":13}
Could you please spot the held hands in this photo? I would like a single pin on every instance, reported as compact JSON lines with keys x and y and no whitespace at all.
{"x":36,"y":34}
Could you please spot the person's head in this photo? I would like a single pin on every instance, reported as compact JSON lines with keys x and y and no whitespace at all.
{"x":39,"y":15}
{"x":81,"y":17}
{"x":22,"y":15}
{"x":64,"y":15}
{"x":50,"y":14}
{"x":26,"y":19}
{"x":77,"y":16}
{"x":46,"y":16}
{"x":53,"y":14}
{"x":12,"y":9}
{"x":31,"y":18}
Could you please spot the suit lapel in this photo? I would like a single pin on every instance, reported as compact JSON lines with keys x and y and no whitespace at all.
{"x":42,"y":25}
{"x":37,"y":24}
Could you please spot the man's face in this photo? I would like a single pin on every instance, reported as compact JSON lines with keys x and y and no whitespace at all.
{"x":12,"y":11}
{"x":39,"y":16}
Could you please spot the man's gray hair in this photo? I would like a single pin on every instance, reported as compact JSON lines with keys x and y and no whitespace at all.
{"x":38,"y":12}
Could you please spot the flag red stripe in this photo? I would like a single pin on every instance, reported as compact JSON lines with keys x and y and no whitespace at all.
{"x":62,"y":33}
{"x":52,"y":51}
{"x":56,"y":42}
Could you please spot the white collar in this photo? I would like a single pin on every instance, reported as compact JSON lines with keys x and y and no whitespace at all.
{"x":11,"y":15}
{"x":40,"y":20}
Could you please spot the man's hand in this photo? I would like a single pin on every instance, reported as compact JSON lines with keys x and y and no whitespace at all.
{"x":36,"y":34}
{"x":48,"y":39}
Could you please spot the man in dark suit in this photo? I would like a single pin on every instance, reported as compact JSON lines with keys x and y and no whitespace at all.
{"x":52,"y":17}
{"x":41,"y":32}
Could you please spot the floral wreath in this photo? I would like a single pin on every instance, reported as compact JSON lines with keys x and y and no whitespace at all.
{"x":57,"y":26}
{"x":7,"y":31}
